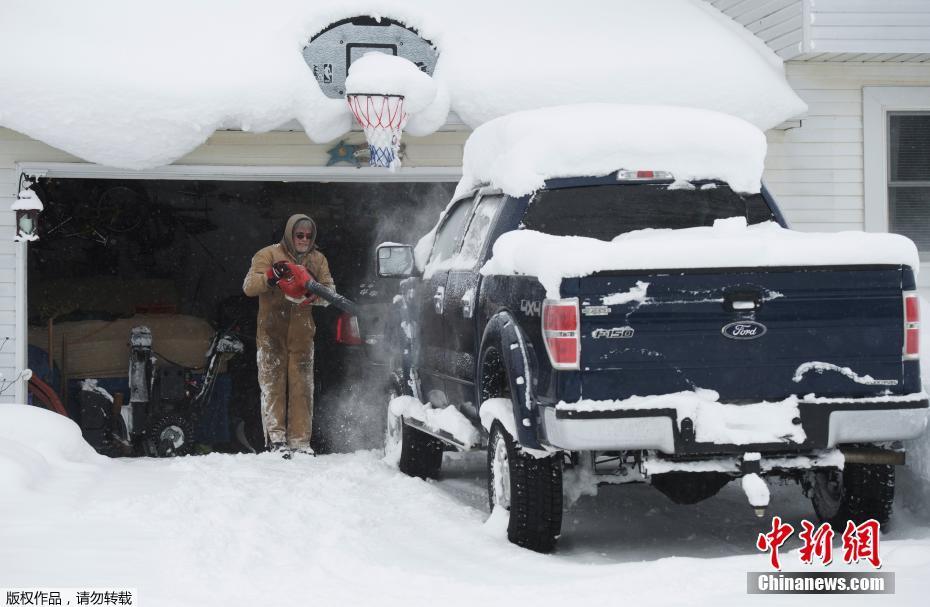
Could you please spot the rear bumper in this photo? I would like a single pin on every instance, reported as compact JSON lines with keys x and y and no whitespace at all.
{"x":826,"y":423}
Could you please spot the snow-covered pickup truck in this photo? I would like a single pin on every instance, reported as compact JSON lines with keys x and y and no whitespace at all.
{"x":635,"y":328}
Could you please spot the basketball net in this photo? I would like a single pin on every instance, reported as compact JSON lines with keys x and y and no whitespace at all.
{"x":382,"y":117}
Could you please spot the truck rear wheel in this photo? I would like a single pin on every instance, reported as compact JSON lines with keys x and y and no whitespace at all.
{"x":528,"y":488}
{"x":857,"y":493}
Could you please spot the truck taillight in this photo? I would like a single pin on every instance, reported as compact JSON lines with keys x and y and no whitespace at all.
{"x":347,"y":332}
{"x":562,"y":332}
{"x":911,"y":326}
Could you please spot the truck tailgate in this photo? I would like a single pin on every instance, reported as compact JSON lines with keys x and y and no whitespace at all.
{"x":748,"y":334}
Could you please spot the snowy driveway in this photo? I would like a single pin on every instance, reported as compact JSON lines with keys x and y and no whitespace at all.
{"x":350,"y":530}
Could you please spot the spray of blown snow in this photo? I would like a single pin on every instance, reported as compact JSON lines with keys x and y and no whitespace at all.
{"x":351,"y":414}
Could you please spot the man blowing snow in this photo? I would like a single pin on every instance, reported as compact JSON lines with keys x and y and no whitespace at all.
{"x":285,"y":332}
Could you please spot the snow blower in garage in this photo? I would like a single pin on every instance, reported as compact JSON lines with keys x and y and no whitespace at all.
{"x":165,"y":401}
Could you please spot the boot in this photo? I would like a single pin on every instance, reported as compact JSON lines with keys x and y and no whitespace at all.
{"x":305,"y":450}
{"x":280,"y":448}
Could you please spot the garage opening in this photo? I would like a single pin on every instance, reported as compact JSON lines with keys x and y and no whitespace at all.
{"x":114,"y":255}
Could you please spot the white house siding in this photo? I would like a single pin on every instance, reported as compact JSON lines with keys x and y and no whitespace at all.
{"x":14,"y":148}
{"x":226,"y":148}
{"x":292,"y":148}
{"x":869,"y":26}
{"x":816,"y":171}
{"x":837,"y":30}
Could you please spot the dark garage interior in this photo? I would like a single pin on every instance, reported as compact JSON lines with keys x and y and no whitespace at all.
{"x":171,"y":255}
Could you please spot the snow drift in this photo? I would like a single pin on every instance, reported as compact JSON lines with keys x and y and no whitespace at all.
{"x":140,"y":84}
{"x":349,"y":530}
{"x":34,"y":442}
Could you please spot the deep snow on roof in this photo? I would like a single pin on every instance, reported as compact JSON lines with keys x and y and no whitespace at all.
{"x":140,"y":84}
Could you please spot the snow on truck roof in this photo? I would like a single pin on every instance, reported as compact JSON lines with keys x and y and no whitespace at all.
{"x":140,"y":84}
{"x":519,"y":152}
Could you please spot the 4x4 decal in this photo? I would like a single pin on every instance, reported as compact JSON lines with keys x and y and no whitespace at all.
{"x":530,"y":307}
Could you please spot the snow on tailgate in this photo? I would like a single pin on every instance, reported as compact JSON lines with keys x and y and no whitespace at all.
{"x":730,"y":243}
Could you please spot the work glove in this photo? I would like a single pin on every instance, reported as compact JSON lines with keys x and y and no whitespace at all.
{"x":277,"y":272}
{"x":270,"y":277}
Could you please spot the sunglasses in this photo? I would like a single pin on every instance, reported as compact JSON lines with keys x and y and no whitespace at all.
{"x":302,"y":235}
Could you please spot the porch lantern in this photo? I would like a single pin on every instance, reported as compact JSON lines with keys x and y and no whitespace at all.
{"x":27,"y":207}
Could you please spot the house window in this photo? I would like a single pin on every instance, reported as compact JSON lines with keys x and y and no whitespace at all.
{"x":909,"y":177}
{"x":896,"y":165}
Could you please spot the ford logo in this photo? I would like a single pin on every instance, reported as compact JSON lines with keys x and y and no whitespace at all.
{"x":744,"y":329}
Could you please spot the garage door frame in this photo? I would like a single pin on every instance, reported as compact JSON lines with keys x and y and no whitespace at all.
{"x":80,"y":170}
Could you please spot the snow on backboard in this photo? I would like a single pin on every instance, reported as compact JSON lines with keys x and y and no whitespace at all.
{"x":330,"y":53}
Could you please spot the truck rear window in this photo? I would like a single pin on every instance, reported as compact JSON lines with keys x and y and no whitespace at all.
{"x":604,"y":211}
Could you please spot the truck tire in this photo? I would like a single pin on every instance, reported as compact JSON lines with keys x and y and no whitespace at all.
{"x":857,"y":493}
{"x":529,"y":488}
{"x":416,"y":453}
{"x":420,"y":453}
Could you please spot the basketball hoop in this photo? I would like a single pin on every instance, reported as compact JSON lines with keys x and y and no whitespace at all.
{"x":382,"y":117}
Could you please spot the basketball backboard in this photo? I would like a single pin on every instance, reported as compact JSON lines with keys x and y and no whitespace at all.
{"x":330,"y":53}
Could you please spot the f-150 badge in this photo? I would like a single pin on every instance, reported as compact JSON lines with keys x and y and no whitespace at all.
{"x":744,"y":329}
{"x":613,"y":333}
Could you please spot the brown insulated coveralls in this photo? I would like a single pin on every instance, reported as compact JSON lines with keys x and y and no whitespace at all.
{"x":285,"y":341}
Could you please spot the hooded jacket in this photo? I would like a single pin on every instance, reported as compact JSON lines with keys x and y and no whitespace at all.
{"x":282,"y":323}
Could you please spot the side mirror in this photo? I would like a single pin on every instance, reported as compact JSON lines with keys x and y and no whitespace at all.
{"x":395,"y":260}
